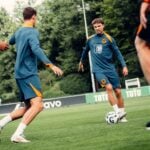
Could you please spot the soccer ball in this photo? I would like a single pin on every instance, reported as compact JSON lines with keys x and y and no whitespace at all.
{"x":112,"y":117}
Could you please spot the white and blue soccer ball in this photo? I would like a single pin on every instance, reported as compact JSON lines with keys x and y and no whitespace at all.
{"x":112,"y":117}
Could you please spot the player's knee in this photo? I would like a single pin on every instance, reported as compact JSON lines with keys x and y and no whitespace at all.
{"x":118,"y":92}
{"x":40,"y":106}
{"x":109,"y":87}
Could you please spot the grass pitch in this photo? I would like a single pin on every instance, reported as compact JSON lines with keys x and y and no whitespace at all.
{"x":82,"y":127}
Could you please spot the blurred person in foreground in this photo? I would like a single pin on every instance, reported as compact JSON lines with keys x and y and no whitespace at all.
{"x":142,"y":41}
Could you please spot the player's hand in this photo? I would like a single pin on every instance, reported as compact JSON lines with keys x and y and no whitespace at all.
{"x":125,"y":71}
{"x":3,"y":46}
{"x":144,"y":8}
{"x":57,"y":70}
{"x":81,"y":67}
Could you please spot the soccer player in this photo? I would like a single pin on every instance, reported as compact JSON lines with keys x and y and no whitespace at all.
{"x":28,"y":51}
{"x":142,"y":41}
{"x":103,"y":48}
{"x":3,"y":45}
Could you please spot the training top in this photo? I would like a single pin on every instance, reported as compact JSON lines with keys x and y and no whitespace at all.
{"x":28,"y":51}
{"x":103,"y":48}
{"x":148,"y":1}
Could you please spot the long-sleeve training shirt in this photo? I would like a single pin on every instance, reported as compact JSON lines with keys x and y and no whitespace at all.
{"x":28,"y":51}
{"x":103,"y":48}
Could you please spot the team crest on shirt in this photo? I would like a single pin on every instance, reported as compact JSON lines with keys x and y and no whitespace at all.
{"x":103,"y":83}
{"x":104,"y":41}
{"x":98,"y":48}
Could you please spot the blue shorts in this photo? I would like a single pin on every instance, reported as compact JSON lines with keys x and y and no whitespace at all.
{"x":29,"y":88}
{"x":105,"y":78}
{"x":145,"y":33}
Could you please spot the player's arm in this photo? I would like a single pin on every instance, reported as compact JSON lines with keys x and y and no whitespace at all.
{"x":12,"y":40}
{"x":55,"y":69}
{"x":83,"y":57}
{"x":145,"y":7}
{"x":3,"y":45}
{"x":35,"y":46}
{"x":147,"y":1}
{"x":119,"y":57}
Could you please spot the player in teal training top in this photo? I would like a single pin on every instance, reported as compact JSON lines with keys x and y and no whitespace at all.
{"x":28,"y":52}
{"x":103,"y":50}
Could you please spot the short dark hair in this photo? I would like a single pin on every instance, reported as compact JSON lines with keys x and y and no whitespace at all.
{"x":28,"y":12}
{"x":97,"y":20}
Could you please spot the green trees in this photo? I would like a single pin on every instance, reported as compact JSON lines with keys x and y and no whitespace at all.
{"x":7,"y":59}
{"x":62,"y":35}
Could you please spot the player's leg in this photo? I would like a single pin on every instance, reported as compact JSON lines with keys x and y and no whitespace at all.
{"x":18,"y":113}
{"x":142,"y":44}
{"x":15,"y":114}
{"x":4,"y":121}
{"x":35,"y":108}
{"x":32,"y":92}
{"x":104,"y":82}
{"x":120,"y":103}
{"x":111,"y":98}
{"x":148,"y":125}
{"x":33,"y":111}
{"x":115,"y":82}
{"x":143,"y":51}
{"x":119,"y":97}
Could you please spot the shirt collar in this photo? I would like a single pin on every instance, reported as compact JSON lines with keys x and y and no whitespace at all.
{"x":28,"y":25}
{"x":100,"y":34}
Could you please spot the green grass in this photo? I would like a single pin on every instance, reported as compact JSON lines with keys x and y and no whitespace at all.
{"x":82,"y":127}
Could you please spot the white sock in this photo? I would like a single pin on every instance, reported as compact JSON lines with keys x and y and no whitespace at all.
{"x":20,"y":129}
{"x":122,"y":109}
{"x":116,"y":109}
{"x":5,"y":120}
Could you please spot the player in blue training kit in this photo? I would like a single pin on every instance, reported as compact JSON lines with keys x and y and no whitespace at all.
{"x":142,"y":41}
{"x":26,"y":74}
{"x":103,"y":49}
